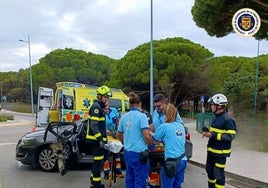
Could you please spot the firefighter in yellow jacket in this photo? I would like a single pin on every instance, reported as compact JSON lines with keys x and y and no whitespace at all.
{"x":96,"y":134}
{"x":221,"y":134}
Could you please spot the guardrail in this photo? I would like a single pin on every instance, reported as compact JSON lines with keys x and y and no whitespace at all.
{"x":203,"y":120}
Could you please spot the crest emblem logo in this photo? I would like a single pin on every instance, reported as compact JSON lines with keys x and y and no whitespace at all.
{"x":246,"y":22}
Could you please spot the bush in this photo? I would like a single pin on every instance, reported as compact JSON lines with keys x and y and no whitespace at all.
{"x":5,"y":116}
{"x":19,"y":107}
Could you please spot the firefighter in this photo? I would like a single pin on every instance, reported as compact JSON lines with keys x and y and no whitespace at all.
{"x":221,"y":133}
{"x":96,"y":134}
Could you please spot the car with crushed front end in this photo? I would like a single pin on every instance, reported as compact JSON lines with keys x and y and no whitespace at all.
{"x":39,"y":149}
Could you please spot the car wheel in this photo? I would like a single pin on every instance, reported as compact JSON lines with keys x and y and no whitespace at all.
{"x":47,"y":159}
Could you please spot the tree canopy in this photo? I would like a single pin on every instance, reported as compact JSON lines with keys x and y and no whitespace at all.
{"x":57,"y":66}
{"x":215,"y":16}
{"x":182,"y":70}
{"x":176,"y":64}
{"x":72,"y":65}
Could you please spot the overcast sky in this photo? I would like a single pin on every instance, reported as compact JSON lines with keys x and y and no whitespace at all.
{"x":108,"y":27}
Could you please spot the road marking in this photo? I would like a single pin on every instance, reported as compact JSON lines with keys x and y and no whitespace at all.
{"x":6,"y":144}
{"x":16,"y":123}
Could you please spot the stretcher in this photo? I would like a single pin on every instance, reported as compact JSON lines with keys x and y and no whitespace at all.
{"x":156,"y":159}
{"x":114,"y":146}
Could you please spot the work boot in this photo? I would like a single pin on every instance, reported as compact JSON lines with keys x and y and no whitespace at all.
{"x":211,"y":185}
{"x":63,"y":172}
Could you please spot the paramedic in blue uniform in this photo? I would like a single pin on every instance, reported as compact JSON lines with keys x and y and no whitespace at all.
{"x":96,"y":134}
{"x":159,"y":114}
{"x":172,"y":134}
{"x":133,"y":131}
{"x":221,"y":134}
{"x":112,"y":118}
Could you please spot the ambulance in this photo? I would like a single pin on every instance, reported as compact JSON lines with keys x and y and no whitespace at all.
{"x":73,"y":100}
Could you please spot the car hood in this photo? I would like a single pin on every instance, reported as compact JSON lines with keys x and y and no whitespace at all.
{"x":35,"y":134}
{"x":39,"y":135}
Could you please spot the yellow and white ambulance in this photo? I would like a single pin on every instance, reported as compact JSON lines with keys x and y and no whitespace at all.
{"x":73,"y":100}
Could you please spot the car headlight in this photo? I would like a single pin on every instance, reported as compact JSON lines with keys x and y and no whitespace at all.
{"x":25,"y":142}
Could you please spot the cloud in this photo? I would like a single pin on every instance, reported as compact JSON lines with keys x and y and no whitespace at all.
{"x":102,"y":26}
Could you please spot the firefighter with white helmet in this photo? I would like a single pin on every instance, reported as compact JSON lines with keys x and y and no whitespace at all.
{"x":96,"y":134}
{"x":218,"y":99}
{"x":220,"y":133}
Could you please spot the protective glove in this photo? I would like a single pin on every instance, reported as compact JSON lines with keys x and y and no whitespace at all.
{"x":151,"y":147}
{"x":205,"y":129}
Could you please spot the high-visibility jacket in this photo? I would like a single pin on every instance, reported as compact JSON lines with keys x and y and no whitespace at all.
{"x":223,"y":129}
{"x":96,"y":129}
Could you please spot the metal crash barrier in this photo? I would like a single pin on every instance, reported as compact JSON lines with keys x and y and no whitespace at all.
{"x":203,"y":120}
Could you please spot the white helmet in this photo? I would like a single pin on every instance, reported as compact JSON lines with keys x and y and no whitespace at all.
{"x":219,"y":99}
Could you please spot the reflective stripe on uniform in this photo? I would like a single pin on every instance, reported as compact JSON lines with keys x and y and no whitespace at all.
{"x":95,"y":118}
{"x":219,"y":151}
{"x":95,"y":178}
{"x":90,"y":137}
{"x":219,"y":186}
{"x":97,"y":135}
{"x":212,"y":181}
{"x":213,"y":129}
{"x":220,"y":165}
{"x":98,"y":158}
{"x":218,"y":136}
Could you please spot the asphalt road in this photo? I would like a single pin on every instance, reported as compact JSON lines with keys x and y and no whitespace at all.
{"x":14,"y":174}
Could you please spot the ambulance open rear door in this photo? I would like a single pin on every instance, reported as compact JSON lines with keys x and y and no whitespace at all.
{"x":44,"y":103}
